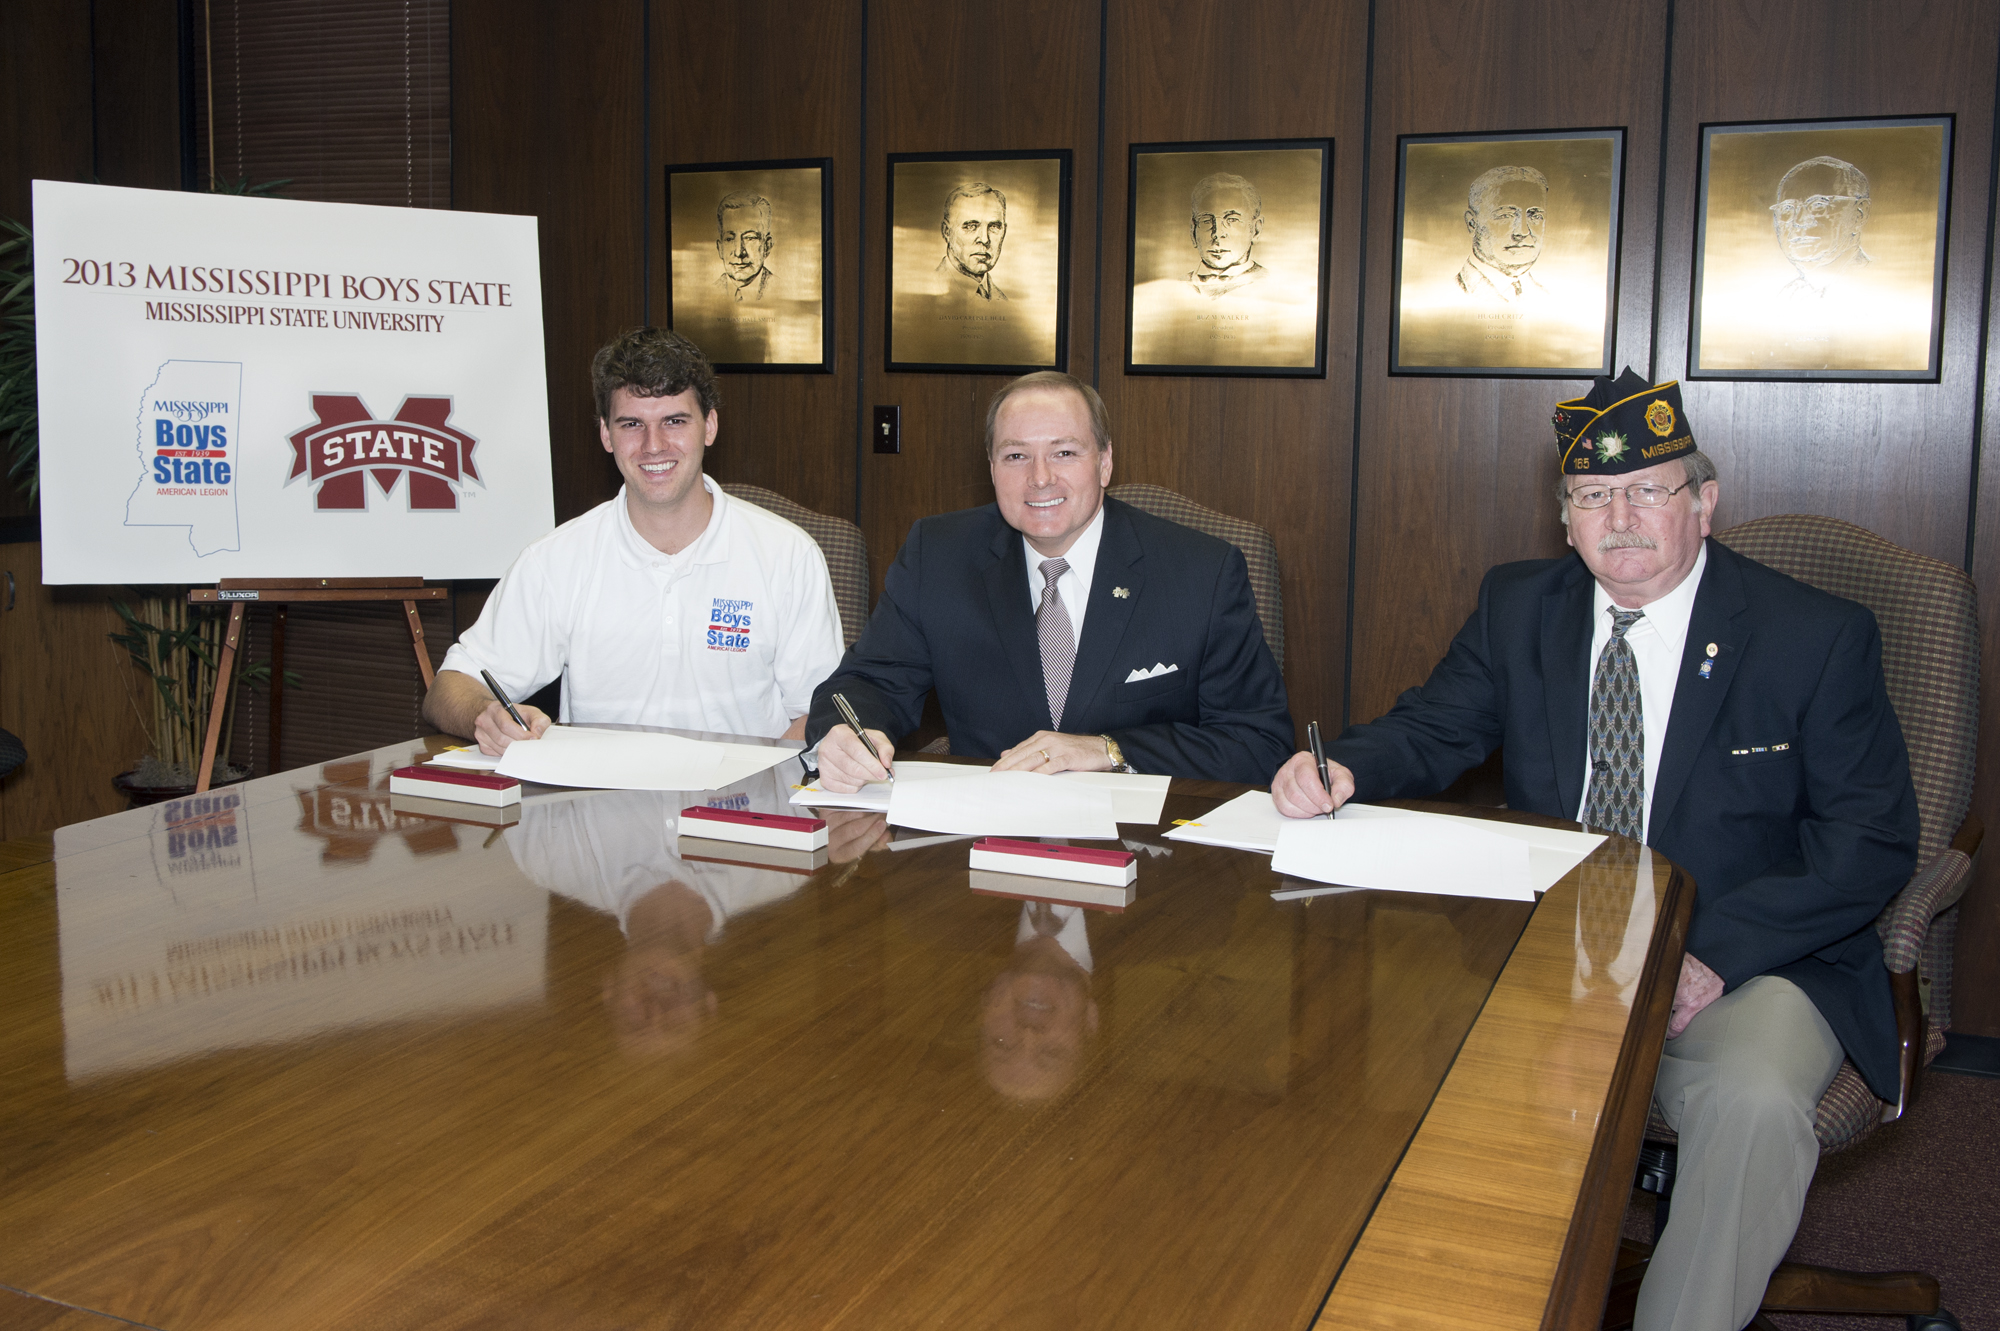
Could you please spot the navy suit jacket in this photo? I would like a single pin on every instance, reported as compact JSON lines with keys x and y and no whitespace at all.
{"x":956,"y":614}
{"x":1783,"y":787}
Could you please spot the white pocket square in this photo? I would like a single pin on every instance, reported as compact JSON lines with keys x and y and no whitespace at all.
{"x":1154,"y":673}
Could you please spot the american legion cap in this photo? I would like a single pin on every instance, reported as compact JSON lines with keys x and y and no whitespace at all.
{"x":1622,"y":425}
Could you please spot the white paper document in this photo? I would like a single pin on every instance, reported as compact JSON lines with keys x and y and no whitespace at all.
{"x":1448,"y":857}
{"x":740,"y":761}
{"x":875,"y":795}
{"x":468,"y":758}
{"x":1020,"y":804}
{"x":615,"y":760}
{"x":1251,"y":822}
{"x":1248,"y":822}
{"x":1135,"y":798}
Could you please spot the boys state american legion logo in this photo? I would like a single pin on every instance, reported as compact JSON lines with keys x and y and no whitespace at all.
{"x":347,"y":444}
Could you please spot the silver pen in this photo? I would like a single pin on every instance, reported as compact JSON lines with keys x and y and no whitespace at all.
{"x":854,"y":724}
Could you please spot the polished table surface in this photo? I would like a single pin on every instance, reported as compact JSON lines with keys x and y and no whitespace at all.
{"x":288,"y":1055}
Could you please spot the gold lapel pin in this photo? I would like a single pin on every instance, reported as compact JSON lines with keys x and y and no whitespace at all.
{"x":1711,"y":649}
{"x":1122,"y":593}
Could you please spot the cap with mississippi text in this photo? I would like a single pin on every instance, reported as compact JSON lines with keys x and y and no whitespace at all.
{"x":1622,"y":425}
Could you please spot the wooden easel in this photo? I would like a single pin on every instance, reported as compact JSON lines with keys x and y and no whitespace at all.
{"x":243,"y":592}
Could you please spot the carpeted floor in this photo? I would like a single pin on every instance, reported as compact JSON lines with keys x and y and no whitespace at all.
{"x":1919,"y":1195}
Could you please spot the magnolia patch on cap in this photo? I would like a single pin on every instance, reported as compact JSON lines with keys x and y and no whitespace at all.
{"x":1622,"y":425}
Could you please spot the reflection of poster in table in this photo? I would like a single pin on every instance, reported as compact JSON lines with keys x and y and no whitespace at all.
{"x":1506,"y":257}
{"x":978,"y":261}
{"x":1228,"y":257}
{"x":236,"y":386}
{"x":748,"y":242}
{"x":1820,"y":253}
{"x":255,"y":930}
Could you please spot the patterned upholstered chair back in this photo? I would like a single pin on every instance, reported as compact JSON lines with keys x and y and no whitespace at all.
{"x":1928,"y":615}
{"x":846,"y":551}
{"x":1260,"y":552}
{"x":1930,"y":644}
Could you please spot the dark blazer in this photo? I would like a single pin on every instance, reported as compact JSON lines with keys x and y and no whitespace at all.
{"x":956,"y":614}
{"x":1783,"y":787}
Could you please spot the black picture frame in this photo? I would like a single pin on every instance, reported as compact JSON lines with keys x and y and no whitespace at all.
{"x":1011,"y":317}
{"x":1845,"y":315}
{"x":1457,"y":308}
{"x":1179,"y":319}
{"x":789,"y":328}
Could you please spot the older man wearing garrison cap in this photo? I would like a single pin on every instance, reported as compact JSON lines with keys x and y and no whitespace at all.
{"x":1658,"y":685}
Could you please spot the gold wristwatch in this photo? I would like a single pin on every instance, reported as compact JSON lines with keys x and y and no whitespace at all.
{"x":1115,"y":754}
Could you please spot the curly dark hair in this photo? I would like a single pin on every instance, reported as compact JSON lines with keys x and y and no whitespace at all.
{"x":652,"y":362}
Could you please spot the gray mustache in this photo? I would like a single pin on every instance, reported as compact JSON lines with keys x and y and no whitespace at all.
{"x":1626,"y":540}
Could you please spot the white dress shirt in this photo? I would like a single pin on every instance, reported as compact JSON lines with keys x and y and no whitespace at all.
{"x":1657,"y":639}
{"x":1074,"y":585}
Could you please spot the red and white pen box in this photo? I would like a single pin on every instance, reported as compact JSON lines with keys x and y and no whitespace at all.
{"x":444,"y":783}
{"x":753,"y":829}
{"x":1081,"y":864}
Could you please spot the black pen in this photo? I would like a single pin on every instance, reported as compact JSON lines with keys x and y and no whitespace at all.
{"x":500,"y":696}
{"x":1319,"y":757}
{"x":854,"y":724}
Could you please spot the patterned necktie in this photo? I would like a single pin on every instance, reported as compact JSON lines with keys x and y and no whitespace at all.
{"x":1058,"y":640}
{"x":1617,"y":800}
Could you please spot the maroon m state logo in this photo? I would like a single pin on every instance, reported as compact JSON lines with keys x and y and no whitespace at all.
{"x":347,"y":444}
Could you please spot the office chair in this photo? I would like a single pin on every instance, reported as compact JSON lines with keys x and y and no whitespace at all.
{"x":1260,"y":552}
{"x":1928,"y":616}
{"x":842,"y":543}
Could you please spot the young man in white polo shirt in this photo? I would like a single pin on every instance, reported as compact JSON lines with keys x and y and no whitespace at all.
{"x":670,"y":604}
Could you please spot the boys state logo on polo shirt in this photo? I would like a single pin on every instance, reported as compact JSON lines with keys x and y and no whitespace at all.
{"x":729,"y":626}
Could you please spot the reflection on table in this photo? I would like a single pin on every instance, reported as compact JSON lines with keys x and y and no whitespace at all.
{"x":300,"y":1057}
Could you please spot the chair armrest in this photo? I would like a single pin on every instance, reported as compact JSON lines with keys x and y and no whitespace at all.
{"x":1907,"y":919}
{"x":1903,"y":927}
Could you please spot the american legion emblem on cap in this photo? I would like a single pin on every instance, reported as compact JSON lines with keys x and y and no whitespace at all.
{"x":1622,"y":425}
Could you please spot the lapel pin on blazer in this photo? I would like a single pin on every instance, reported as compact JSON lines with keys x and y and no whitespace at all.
{"x":1708,"y":665}
{"x":1122,"y":593}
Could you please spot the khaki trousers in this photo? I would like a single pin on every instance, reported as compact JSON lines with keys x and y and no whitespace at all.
{"x":1739,"y":1085}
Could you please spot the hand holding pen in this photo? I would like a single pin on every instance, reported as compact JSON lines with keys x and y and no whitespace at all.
{"x":1311,"y":785}
{"x":853,"y":756}
{"x":495,"y":732}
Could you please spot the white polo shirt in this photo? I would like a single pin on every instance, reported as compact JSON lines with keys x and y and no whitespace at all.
{"x":732,"y":634}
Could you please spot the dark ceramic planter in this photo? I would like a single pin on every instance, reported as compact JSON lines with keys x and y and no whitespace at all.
{"x":141,"y":796}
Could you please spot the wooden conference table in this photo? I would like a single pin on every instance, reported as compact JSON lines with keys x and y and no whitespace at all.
{"x":286,"y":1056}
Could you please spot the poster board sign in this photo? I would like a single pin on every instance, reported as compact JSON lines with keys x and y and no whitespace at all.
{"x":250,"y":387}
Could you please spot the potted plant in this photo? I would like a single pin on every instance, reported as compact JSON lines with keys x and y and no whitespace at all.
{"x":17,"y":356}
{"x":180,"y":647}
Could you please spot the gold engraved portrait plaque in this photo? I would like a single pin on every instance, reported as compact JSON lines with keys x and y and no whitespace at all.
{"x":978,"y":261}
{"x":1820,"y":250}
{"x":748,"y":247}
{"x":1228,"y":258}
{"x":1506,"y":256}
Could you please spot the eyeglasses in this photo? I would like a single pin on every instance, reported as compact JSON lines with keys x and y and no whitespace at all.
{"x":1813,"y":210}
{"x":1639,"y":496}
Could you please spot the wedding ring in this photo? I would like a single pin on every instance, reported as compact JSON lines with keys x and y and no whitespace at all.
{"x":1045,"y":755}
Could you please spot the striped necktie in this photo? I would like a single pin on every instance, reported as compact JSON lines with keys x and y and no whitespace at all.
{"x":1058,"y":640}
{"x":1617,"y":800}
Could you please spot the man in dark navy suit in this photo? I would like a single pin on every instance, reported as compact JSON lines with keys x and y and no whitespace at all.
{"x":1661,"y":686}
{"x":1063,"y":631}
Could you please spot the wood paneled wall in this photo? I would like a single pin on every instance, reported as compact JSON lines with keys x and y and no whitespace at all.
{"x":548,"y":118}
{"x":949,"y":78}
{"x":791,"y":87}
{"x":1276,"y":451}
{"x":1453,"y":475}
